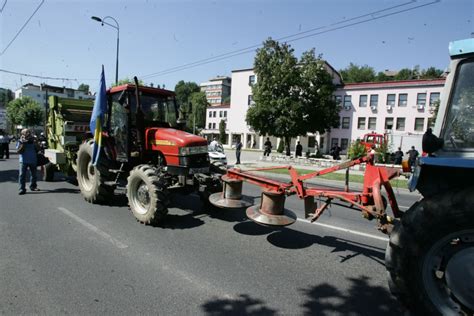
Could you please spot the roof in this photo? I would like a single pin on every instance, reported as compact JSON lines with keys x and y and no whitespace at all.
{"x":394,"y":84}
{"x":223,"y":106}
{"x":142,"y":88}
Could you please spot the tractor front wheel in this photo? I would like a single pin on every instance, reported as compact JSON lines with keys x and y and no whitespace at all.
{"x":147,"y":195}
{"x":430,"y":256}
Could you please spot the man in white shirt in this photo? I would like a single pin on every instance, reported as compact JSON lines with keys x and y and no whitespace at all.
{"x":4,"y":143}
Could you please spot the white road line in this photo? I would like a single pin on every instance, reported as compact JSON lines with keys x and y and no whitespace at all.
{"x":346,"y":230}
{"x":96,"y":230}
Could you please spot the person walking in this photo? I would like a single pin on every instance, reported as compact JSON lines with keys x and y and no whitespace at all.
{"x":27,"y":149}
{"x":398,"y":156}
{"x":412,"y":155}
{"x":268,"y":147}
{"x":4,"y":143}
{"x":238,"y":149}
{"x":299,"y":150}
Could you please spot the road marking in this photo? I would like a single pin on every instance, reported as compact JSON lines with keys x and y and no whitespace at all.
{"x":346,"y":230}
{"x":95,"y":229}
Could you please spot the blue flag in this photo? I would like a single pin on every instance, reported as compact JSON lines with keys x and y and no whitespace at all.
{"x":97,"y":118}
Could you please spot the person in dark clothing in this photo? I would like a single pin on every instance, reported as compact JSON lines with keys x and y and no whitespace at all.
{"x":238,"y":149}
{"x":299,"y":150}
{"x":4,"y":143}
{"x":412,"y":155}
{"x":27,"y":149}
{"x":335,"y":151}
{"x":398,"y":156}
{"x":268,"y":147}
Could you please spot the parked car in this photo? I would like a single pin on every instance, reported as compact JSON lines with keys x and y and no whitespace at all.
{"x":216,"y":154}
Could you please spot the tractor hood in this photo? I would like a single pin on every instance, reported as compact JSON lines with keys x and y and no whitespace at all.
{"x":174,"y":137}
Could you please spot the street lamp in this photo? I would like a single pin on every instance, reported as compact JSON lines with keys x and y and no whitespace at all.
{"x":102,"y":21}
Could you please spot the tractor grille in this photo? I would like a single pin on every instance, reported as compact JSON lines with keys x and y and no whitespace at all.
{"x":194,"y":161}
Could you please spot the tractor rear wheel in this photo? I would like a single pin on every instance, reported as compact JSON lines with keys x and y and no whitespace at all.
{"x":49,"y":170}
{"x":430,"y":256}
{"x":91,"y":179}
{"x":147,"y":195}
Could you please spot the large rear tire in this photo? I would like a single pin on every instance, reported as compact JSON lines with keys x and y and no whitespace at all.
{"x":91,"y":179}
{"x":430,"y":256}
{"x":147,"y":195}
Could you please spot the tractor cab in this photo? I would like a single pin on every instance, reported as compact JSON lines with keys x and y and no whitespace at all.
{"x":373,"y":139}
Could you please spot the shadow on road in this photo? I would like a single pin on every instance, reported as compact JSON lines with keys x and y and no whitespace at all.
{"x":180,"y":222}
{"x":9,"y":175}
{"x":243,"y":305}
{"x":362,"y":298}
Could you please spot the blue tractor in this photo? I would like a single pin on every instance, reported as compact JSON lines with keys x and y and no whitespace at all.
{"x":430,"y":256}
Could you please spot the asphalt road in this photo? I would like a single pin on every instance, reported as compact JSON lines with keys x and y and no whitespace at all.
{"x":62,"y":255}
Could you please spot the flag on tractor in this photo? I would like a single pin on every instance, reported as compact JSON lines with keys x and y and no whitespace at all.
{"x":97,"y":118}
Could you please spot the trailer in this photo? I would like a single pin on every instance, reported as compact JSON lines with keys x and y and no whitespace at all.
{"x":66,"y":128}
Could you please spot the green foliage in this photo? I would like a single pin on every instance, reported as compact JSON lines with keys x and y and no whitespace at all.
{"x":382,"y":154}
{"x":291,"y":97}
{"x":222,"y":138}
{"x":381,"y":76}
{"x":127,"y":80}
{"x":183,"y":91}
{"x":355,"y":73}
{"x":6,"y":95}
{"x":356,"y":150}
{"x":25,"y":111}
{"x":431,"y":73}
{"x":226,"y":100}
{"x":197,"y":116}
{"x":404,"y":74}
{"x":83,"y":87}
{"x":281,"y":146}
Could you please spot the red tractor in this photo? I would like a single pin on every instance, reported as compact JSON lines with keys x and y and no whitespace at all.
{"x":373,"y":139}
{"x":144,"y":149}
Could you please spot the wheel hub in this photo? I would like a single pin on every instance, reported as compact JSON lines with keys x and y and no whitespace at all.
{"x":460,"y":276}
{"x":143,"y":196}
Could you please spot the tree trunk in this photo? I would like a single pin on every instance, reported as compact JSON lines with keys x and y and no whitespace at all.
{"x":287,"y":145}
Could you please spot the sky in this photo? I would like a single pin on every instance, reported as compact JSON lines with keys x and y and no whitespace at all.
{"x":163,"y":42}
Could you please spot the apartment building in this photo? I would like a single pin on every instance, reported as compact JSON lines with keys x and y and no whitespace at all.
{"x":402,"y":109}
{"x":214,"y":116}
{"x":41,"y":93}
{"x":217,"y":90}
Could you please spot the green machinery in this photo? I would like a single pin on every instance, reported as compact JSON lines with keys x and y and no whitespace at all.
{"x":66,"y":128}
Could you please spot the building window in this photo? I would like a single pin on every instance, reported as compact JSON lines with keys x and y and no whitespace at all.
{"x":363,"y":100}
{"x":250,"y":100}
{"x":321,"y":143}
{"x":391,"y":99}
{"x":209,"y":125}
{"x":344,"y":143}
{"x":400,"y":123}
{"x":361,"y":123}
{"x":419,"y":124}
{"x":345,"y":122}
{"x":311,"y":141}
{"x":372,"y":123}
{"x":213,"y":125}
{"x":338,"y":100}
{"x":220,"y":113}
{"x":421,"y":99}
{"x":389,"y":123}
{"x":225,"y":113}
{"x":434,"y":98}
{"x":347,"y":102}
{"x":402,"y":99}
{"x":251,"y":80}
{"x":214,"y":113}
{"x":210,"y":113}
{"x":374,"y":100}
{"x":334,"y":142}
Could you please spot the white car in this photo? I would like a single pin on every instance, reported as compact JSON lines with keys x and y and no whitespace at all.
{"x":216,"y":154}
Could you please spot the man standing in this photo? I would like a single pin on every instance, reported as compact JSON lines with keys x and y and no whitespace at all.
{"x":238,"y":149}
{"x":299,"y":150}
{"x":412,"y":155}
{"x":214,"y":144}
{"x":4,"y":143}
{"x":398,"y":156}
{"x":268,"y":147}
{"x":27,"y":149}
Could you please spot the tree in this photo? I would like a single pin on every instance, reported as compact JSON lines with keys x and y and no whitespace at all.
{"x":222,"y":138}
{"x":6,"y":95}
{"x":405,"y":74}
{"x":431,"y":73}
{"x":381,"y":76}
{"x":291,"y":98}
{"x":355,"y":73}
{"x":25,"y":111}
{"x":84,"y":87}
{"x":183,"y":91}
{"x":197,"y":117}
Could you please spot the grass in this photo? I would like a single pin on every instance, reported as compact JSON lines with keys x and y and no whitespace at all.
{"x":353,"y":178}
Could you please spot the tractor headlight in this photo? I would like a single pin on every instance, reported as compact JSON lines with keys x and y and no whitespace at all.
{"x":184,"y":151}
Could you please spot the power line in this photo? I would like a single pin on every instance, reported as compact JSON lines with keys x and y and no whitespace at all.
{"x":250,"y":49}
{"x":24,"y":25}
{"x":36,"y":76}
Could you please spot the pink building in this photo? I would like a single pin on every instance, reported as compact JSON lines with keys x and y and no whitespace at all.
{"x":400,"y":108}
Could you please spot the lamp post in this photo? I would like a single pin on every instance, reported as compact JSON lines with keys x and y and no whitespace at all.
{"x":103,"y":21}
